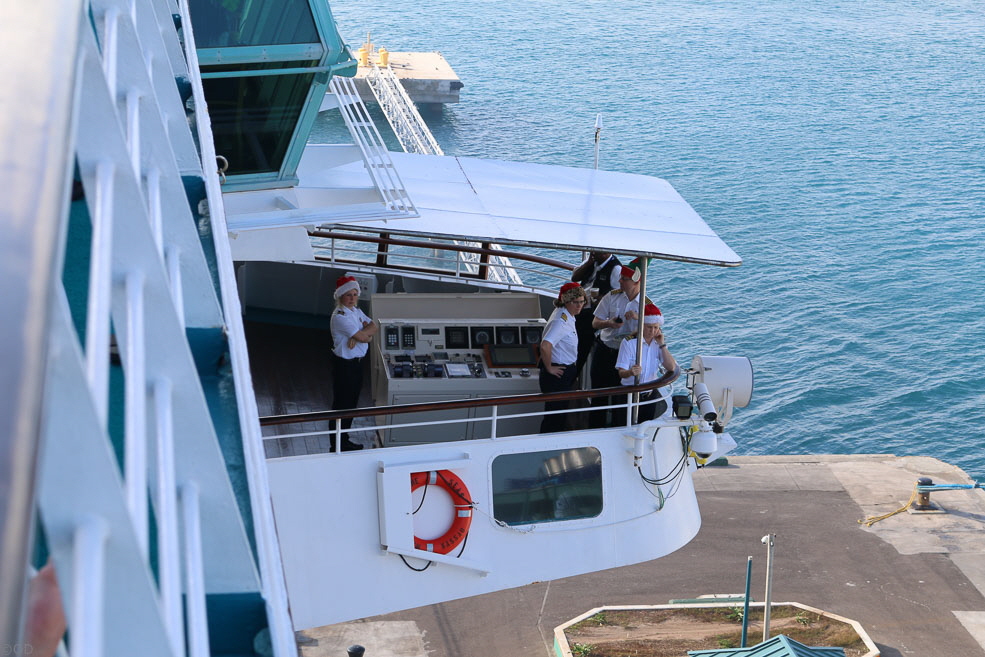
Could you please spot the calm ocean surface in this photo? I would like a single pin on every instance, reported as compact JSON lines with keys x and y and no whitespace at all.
{"x":839,"y":149}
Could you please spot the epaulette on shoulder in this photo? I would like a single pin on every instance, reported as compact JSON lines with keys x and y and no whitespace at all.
{"x":615,"y":292}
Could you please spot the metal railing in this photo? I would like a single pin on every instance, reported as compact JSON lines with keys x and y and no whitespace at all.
{"x":375,"y":155}
{"x":411,"y":130}
{"x":485,"y":262}
{"x":130,"y":152}
{"x":494,"y":403}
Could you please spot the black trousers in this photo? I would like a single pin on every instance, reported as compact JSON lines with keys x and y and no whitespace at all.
{"x":586,"y":336}
{"x":551,"y":383}
{"x":347,"y":382}
{"x":604,"y":375}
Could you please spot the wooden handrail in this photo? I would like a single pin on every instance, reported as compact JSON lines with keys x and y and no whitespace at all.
{"x":319,"y":416}
{"x":384,"y":238}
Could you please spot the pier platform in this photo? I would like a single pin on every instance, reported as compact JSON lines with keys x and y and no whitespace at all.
{"x":916,"y":582}
{"x":427,"y":77}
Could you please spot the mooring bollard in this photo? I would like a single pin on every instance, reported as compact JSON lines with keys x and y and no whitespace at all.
{"x":923,"y":503}
{"x":355,"y":651}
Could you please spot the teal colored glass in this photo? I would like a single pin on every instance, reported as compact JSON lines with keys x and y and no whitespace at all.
{"x":254,"y":117}
{"x":229,"y":23}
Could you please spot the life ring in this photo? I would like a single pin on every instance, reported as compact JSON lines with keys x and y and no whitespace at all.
{"x":462,"y":520}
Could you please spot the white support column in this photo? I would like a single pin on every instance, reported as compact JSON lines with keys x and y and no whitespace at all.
{"x":135,"y":409}
{"x":100,"y":289}
{"x":168,"y":544}
{"x":198,"y":630}
{"x":88,"y":565}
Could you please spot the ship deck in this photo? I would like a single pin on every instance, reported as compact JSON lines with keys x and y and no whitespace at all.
{"x":915,"y":582}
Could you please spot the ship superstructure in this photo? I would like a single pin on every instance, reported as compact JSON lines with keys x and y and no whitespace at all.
{"x":162,"y":189}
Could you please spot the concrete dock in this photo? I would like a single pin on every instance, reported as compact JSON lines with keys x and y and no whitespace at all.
{"x":916,"y":582}
{"x":427,"y":77}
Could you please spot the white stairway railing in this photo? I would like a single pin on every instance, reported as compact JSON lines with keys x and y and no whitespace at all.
{"x":148,"y":285}
{"x":370,"y":143}
{"x":411,"y":130}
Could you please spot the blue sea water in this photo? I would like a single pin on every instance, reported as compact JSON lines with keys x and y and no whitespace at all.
{"x":839,"y":149}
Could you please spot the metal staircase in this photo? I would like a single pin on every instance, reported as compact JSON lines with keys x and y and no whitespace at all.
{"x":412,"y":133}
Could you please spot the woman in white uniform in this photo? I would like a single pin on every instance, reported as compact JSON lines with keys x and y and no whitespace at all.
{"x":655,"y":360}
{"x":559,"y":353}
{"x":352,"y":331}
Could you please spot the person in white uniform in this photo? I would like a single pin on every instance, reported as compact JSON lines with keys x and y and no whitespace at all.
{"x":352,"y":331}
{"x":655,"y":360}
{"x":559,"y":353}
{"x":616,"y":316}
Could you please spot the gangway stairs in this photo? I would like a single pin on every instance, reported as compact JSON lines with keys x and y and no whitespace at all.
{"x":414,"y":137}
{"x":367,"y":138}
{"x":400,"y":111}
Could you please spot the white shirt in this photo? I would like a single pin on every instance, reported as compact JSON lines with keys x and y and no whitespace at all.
{"x":652,"y":362}
{"x":560,"y":332}
{"x":615,"y":304}
{"x":346,"y":322}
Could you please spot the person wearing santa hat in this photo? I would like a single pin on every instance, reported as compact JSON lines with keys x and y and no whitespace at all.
{"x":616,"y":317}
{"x":559,"y":353}
{"x":352,"y":331}
{"x":599,"y":275}
{"x":656,"y":358}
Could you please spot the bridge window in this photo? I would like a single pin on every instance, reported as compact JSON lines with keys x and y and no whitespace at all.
{"x":550,"y":486}
{"x":226,"y":23}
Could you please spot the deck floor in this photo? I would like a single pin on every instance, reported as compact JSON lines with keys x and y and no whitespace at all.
{"x":292,"y":373}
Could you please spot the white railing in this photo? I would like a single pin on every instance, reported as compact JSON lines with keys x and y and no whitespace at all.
{"x":375,"y":155}
{"x":411,"y":130}
{"x":494,"y":419}
{"x":148,"y":280}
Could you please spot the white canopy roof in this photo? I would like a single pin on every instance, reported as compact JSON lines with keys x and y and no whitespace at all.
{"x":553,"y":206}
{"x":488,"y":201}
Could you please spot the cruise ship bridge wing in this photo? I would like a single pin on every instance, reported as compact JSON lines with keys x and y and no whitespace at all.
{"x":550,"y":206}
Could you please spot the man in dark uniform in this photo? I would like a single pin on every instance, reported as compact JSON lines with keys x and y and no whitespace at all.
{"x":600,"y":271}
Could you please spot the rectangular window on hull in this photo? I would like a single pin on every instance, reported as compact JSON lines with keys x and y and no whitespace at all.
{"x":549,"y":486}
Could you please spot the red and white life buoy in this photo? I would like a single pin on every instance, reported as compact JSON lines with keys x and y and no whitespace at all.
{"x":462,"y":501}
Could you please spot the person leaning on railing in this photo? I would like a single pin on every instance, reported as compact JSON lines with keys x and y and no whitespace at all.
{"x":656,"y":359}
{"x":559,"y":353}
{"x":352,"y":331}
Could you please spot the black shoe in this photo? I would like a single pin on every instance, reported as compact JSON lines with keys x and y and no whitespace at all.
{"x":349,"y":446}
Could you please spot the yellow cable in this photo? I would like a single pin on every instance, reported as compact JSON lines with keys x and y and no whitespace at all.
{"x":871,"y":520}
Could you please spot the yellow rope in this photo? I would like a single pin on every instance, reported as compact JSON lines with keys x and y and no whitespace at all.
{"x":871,"y":520}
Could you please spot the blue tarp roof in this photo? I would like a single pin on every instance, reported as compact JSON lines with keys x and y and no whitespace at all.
{"x":778,"y":646}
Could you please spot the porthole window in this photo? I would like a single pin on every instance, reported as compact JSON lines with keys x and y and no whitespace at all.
{"x":549,"y":486}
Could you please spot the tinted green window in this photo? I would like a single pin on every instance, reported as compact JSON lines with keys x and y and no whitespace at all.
{"x":224,"y":23}
{"x":547,"y":486}
{"x":253,"y":118}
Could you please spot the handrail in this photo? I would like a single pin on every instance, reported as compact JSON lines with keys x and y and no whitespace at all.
{"x":513,"y":255}
{"x":318,"y":416}
{"x":35,"y":132}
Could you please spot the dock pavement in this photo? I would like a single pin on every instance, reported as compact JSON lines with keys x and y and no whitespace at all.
{"x":916,"y":582}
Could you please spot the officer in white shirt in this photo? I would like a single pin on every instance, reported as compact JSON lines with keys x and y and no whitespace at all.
{"x":352,"y":330}
{"x":656,"y":358}
{"x":559,"y":353}
{"x":616,"y":316}
{"x":599,"y":273}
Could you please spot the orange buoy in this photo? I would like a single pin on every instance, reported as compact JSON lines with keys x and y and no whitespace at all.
{"x":462,"y":501}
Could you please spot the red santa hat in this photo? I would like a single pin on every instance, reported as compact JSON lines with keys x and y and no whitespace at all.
{"x":633,"y":271}
{"x":345,"y":284}
{"x":652,"y":315}
{"x":568,"y":292}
